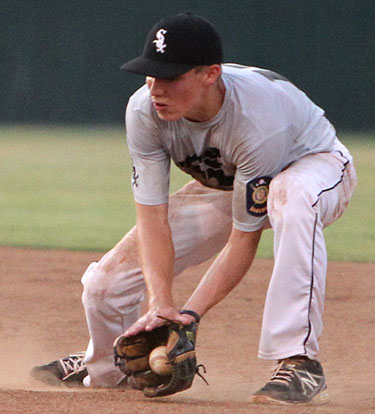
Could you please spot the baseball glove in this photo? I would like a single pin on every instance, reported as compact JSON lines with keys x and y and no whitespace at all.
{"x":132,"y":356}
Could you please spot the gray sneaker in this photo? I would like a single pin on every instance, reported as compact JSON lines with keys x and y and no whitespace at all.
{"x":295,"y":380}
{"x":68,"y":371}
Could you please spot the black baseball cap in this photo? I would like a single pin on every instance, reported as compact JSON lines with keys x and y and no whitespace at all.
{"x":177,"y":44}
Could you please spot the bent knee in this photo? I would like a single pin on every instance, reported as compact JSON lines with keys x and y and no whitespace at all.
{"x":109,"y":288}
{"x":95,"y":280}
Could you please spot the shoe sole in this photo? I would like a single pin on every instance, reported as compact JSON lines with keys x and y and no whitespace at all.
{"x":48,"y":378}
{"x":319,"y":399}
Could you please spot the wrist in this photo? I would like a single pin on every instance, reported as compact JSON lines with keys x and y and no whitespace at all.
{"x":160,"y":302}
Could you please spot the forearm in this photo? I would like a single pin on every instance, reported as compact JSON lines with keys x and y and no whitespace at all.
{"x":226,"y":272}
{"x":156,"y":253}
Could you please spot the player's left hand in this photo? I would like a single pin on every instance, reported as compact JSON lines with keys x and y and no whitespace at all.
{"x":132,"y":356}
{"x":158,"y":316}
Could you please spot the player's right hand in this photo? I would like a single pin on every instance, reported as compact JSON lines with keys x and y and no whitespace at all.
{"x":158,"y":316}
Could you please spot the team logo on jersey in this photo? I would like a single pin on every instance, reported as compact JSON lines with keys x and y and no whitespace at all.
{"x":160,"y":41}
{"x":207,"y":168}
{"x":256,"y":196}
{"x":135,"y":177}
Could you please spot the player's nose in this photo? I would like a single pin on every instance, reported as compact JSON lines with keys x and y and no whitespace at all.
{"x":155,"y":86}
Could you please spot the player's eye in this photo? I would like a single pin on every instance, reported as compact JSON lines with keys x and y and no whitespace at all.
{"x":172,"y":79}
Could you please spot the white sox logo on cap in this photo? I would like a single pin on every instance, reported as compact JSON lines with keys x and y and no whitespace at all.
{"x":159,"y":41}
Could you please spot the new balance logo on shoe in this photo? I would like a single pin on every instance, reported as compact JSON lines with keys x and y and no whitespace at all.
{"x":309,"y":381}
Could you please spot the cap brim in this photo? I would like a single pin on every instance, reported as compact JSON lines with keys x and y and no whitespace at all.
{"x":155,"y":69}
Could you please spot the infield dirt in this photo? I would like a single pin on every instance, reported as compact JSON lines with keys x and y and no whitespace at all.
{"x":42,"y":319}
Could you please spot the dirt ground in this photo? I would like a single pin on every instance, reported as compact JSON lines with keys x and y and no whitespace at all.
{"x":42,"y":319}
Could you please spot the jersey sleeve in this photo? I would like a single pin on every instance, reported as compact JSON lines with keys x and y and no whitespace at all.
{"x":255,"y":170}
{"x":151,"y":163}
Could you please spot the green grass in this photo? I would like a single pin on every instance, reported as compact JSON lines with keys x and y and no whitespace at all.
{"x":353,"y":236}
{"x":65,"y":187}
{"x":70,"y":188}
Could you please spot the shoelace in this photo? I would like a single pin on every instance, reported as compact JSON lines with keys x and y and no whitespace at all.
{"x":73,"y":364}
{"x":284,"y":372}
{"x":198,"y":368}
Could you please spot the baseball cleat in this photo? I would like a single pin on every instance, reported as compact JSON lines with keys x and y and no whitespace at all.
{"x":295,"y":380}
{"x":68,"y":371}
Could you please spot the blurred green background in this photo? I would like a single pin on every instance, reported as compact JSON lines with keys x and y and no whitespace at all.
{"x":70,"y":188}
{"x":60,"y":61}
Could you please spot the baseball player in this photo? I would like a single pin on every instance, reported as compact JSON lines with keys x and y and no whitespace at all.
{"x":262,"y":155}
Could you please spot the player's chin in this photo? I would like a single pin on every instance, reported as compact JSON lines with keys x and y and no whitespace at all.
{"x":166,"y":115}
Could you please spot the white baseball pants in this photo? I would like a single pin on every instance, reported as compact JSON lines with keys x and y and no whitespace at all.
{"x":303,"y":199}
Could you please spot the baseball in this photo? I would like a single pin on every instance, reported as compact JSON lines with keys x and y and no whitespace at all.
{"x":159,"y":362}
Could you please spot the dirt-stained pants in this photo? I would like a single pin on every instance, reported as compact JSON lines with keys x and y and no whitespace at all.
{"x":303,"y":199}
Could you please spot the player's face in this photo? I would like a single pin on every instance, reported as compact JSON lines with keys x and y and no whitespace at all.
{"x":178,"y":97}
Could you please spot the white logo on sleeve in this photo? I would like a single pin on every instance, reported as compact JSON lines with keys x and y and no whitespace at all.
{"x":159,"y":41}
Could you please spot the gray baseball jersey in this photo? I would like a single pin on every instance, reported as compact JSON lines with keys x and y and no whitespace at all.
{"x":265,"y":124}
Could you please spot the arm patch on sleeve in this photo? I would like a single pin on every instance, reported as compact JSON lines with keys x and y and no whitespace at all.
{"x":256,"y":196}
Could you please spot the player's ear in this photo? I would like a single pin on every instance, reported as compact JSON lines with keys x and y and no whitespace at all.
{"x":213,"y":72}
